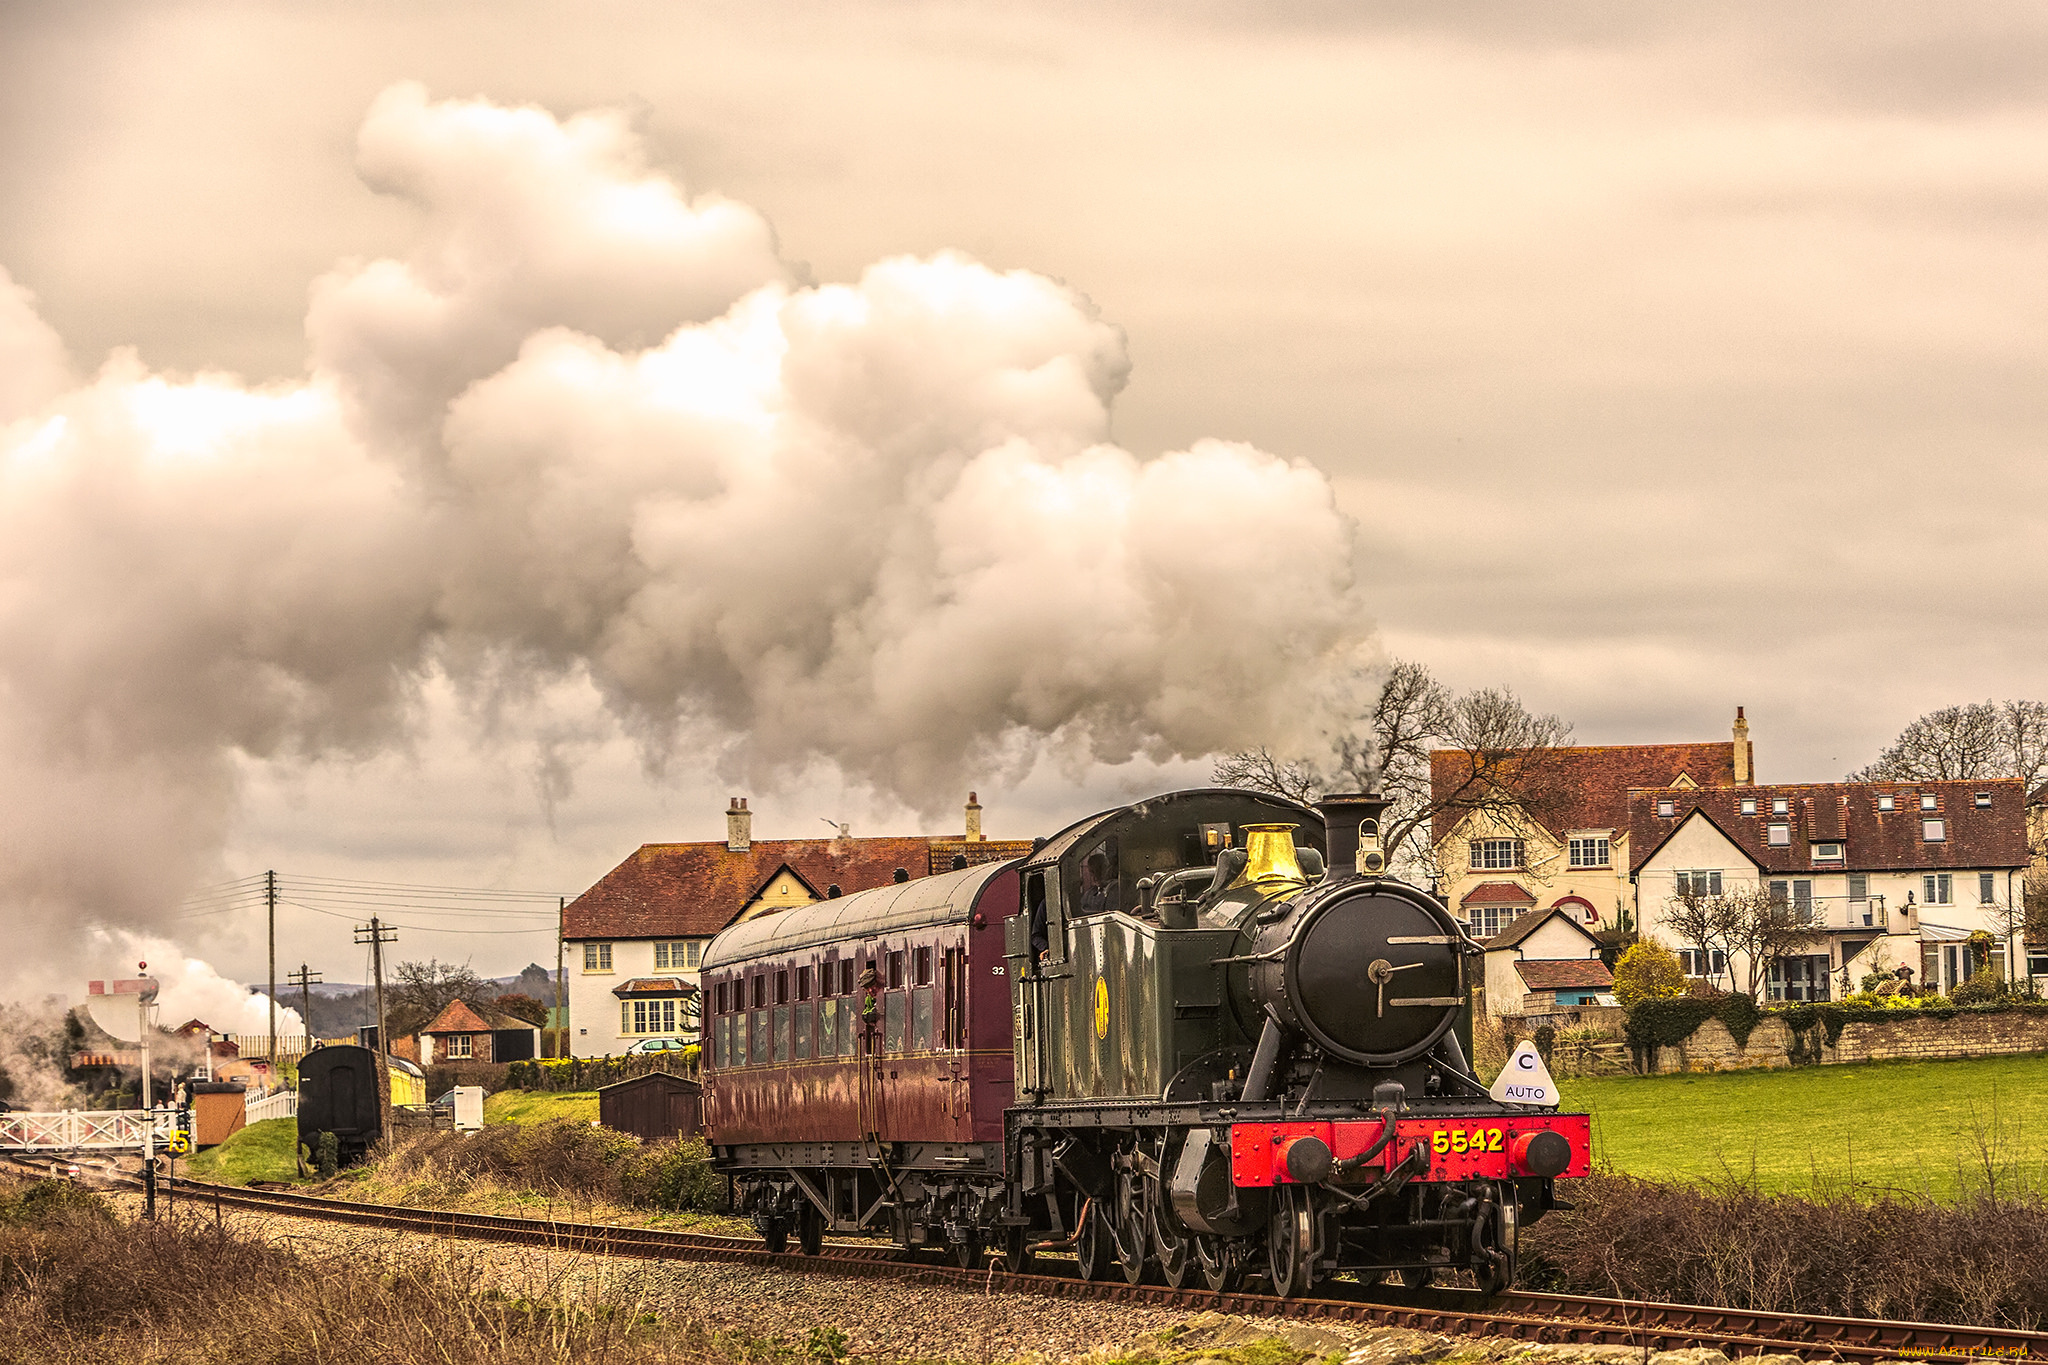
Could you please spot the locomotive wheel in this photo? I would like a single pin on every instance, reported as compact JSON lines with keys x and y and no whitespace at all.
{"x":1095,"y":1247}
{"x":1218,"y":1260}
{"x":1418,"y":1276}
{"x":1172,"y":1248}
{"x":1017,"y":1252}
{"x":1290,"y":1245}
{"x":1132,"y":1228}
{"x":810,"y":1228}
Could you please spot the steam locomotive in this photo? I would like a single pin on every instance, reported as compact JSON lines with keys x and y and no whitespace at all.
{"x":1200,"y":1038}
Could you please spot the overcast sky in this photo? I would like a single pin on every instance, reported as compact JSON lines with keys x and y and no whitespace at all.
{"x":1669,"y":358}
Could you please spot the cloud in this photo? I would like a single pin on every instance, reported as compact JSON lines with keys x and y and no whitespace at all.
{"x":590,"y":427}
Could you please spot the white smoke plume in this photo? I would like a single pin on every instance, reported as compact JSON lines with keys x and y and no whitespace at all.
{"x":592,"y":425}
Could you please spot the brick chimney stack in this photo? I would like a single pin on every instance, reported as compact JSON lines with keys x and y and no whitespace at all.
{"x":739,"y":826}
{"x":974,"y":834}
{"x":1745,"y":757}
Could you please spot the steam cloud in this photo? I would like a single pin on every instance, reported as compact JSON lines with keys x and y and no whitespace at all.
{"x":592,"y":425}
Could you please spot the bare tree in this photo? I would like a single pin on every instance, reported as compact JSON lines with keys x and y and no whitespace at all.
{"x":1505,"y":751}
{"x":1761,"y":929}
{"x":1960,"y":743}
{"x":1704,"y":921}
{"x":423,"y":989}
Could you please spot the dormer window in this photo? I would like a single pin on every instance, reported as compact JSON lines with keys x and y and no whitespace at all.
{"x":1885,"y":801}
{"x":1983,"y":800}
{"x":1827,"y":853}
{"x":1780,"y":836}
{"x":1780,"y":805}
{"x":1665,"y":806}
{"x":1749,"y":805}
{"x":1926,"y":800}
{"x":1933,"y":831}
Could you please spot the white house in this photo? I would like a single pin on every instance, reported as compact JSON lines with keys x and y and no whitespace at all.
{"x":633,"y":941}
{"x":1890,"y":873}
{"x":1545,"y":960}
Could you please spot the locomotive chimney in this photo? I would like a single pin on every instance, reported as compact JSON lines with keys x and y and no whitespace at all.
{"x":739,"y":826}
{"x":1353,"y":829}
{"x":973,"y":818}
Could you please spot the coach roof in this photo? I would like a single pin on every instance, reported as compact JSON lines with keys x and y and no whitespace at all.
{"x":921,"y":902}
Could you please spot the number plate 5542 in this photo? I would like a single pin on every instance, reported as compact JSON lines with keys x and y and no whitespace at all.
{"x":1458,"y":1141}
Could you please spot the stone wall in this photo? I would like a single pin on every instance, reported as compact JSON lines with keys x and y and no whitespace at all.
{"x":1911,"y":1038}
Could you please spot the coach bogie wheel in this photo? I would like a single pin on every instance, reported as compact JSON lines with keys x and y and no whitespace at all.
{"x":810,"y":1229}
{"x":1096,"y":1246}
{"x":776,"y":1234}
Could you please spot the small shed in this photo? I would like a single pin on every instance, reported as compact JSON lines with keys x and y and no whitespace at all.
{"x":219,"y":1111}
{"x":653,"y":1106}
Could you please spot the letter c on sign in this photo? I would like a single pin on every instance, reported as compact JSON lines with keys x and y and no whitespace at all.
{"x":1526,"y":1061}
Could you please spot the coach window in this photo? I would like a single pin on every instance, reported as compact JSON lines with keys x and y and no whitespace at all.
{"x":759,"y":1044}
{"x":849,"y":1006}
{"x":828,"y":1010}
{"x":954,"y":979}
{"x":895,"y":1007}
{"x":1048,"y":925}
{"x":921,"y":1000}
{"x":801,"y":1046}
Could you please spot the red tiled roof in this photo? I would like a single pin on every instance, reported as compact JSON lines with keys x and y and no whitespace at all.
{"x":1847,"y":813}
{"x":1525,"y":925}
{"x":457,"y":1017}
{"x":695,"y":890}
{"x":1581,"y":973}
{"x":1497,"y":893}
{"x":655,"y":985}
{"x":1587,"y":786}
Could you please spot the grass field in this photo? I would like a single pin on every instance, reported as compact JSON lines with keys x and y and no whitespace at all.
{"x":538,"y":1106}
{"x":261,"y":1151}
{"x":1922,"y":1127}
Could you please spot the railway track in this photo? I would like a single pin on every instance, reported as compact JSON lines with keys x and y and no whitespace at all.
{"x":1555,"y":1319}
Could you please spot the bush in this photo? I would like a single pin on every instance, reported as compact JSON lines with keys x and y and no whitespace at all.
{"x":564,"y":1158}
{"x":1984,"y":1261}
{"x":588,"y":1073}
{"x":1648,"y":971}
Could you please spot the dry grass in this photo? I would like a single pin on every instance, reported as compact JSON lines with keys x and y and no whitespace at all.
{"x":81,"y":1286}
{"x":1982,"y":1260}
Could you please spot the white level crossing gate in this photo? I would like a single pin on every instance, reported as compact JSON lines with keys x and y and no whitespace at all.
{"x":88,"y":1130}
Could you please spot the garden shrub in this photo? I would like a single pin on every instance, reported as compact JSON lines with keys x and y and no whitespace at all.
{"x":1648,"y":971}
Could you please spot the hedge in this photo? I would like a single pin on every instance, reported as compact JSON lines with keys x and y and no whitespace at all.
{"x":588,"y":1073}
{"x":1667,"y":1023}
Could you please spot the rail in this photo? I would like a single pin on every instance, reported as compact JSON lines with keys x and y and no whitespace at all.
{"x":1546,"y":1318}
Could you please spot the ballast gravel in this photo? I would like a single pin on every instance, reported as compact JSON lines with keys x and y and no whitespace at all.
{"x":902,"y":1321}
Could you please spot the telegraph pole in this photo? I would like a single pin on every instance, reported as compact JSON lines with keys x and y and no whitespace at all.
{"x":561,"y":1019}
{"x":305,"y":981}
{"x":376,"y":935}
{"x":270,"y":900}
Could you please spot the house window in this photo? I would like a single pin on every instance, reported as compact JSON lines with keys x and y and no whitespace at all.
{"x":1859,"y":886}
{"x":1780,"y":836}
{"x":682,"y":956}
{"x":1926,"y":800}
{"x":1749,"y":805}
{"x":1699,"y":883}
{"x":1983,"y":800}
{"x":1487,"y":920}
{"x":597,"y":957}
{"x":1589,"y":852}
{"x":1795,"y":894}
{"x":1496,"y":854}
{"x":1933,"y":831}
{"x":2037,"y":963}
{"x":1780,"y":805}
{"x":1885,"y":801}
{"x":1987,"y":888}
{"x":648,"y":1018}
{"x":1937,"y":888}
{"x":457,"y":1047}
{"x":1827,"y":853}
{"x":1665,"y":806}
{"x":1703,"y":963}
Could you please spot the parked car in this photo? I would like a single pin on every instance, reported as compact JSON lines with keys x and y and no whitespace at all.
{"x":646,"y":1045}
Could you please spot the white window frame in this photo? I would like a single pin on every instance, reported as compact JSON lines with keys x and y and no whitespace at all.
{"x":1781,"y":805}
{"x":597,"y":957}
{"x":1485,"y":855}
{"x":1827,"y":853}
{"x":648,"y":1018}
{"x":678,"y":955}
{"x":1715,"y":960}
{"x":1987,"y":888}
{"x":458,"y":1047}
{"x":1590,"y":850}
{"x":1666,"y":806}
{"x":1749,"y":805}
{"x":1933,"y":830}
{"x":1482,"y":922}
{"x":1983,"y":800}
{"x":1778,"y":835}
{"x":1937,"y":888}
{"x":1886,"y":801}
{"x":1859,"y":880}
{"x":1927,"y":801}
{"x":1697,"y":882}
